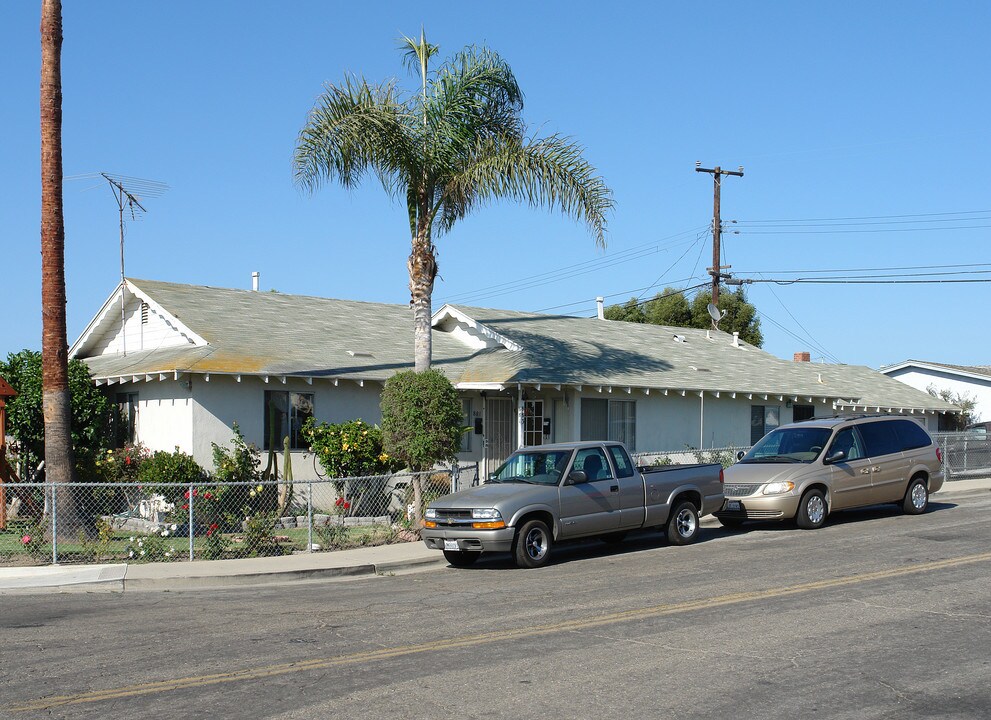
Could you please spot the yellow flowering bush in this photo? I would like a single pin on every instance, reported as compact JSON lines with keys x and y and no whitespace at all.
{"x":350,"y":449}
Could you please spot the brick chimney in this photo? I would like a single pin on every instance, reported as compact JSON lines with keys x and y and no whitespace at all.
{"x":802,"y":357}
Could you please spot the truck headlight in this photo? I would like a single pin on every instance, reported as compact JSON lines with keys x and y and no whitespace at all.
{"x":485,"y":514}
{"x":777,"y":488}
{"x":431,"y":514}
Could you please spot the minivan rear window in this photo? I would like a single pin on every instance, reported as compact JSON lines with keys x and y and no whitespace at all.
{"x":912,"y":435}
{"x":881,"y":438}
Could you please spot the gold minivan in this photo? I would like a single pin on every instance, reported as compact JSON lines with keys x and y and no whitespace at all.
{"x":808,"y":469}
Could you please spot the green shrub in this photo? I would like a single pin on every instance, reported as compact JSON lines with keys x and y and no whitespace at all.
{"x":170,"y":467}
{"x":421,"y":418}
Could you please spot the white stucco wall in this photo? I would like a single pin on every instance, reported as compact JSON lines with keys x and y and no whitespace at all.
{"x":165,"y":417}
{"x":922,"y":379}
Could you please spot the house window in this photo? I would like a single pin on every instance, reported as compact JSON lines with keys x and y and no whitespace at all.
{"x":285,"y":414}
{"x":803,"y":412}
{"x":466,"y":423}
{"x":763,"y":419}
{"x":610,"y":420}
{"x":125,"y":419}
{"x":533,"y":422}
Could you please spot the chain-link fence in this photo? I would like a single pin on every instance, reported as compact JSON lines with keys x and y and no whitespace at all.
{"x":965,"y":454}
{"x":43,"y":523}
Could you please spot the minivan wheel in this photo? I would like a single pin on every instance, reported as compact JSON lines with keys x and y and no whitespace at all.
{"x":812,"y":510}
{"x":916,"y":499}
{"x":683,"y":525}
{"x":532,"y":546}
{"x":461,"y":558}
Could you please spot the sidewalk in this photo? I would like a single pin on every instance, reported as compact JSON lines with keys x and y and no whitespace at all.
{"x":212,"y":574}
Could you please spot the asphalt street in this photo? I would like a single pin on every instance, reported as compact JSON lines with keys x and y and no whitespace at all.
{"x":877,"y":615}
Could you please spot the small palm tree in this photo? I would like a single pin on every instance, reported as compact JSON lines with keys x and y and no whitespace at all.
{"x":456,"y":144}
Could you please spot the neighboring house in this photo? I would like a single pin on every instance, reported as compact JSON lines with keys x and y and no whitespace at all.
{"x":192,"y":360}
{"x":969,"y":381}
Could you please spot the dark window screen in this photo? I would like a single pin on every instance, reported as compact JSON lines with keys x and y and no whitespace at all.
{"x":911,"y":435}
{"x":880,"y":438}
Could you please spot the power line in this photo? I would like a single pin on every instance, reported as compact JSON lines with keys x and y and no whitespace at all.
{"x":876,"y":217}
{"x":859,"y":270}
{"x":833,"y":232}
{"x":559,"y":274}
{"x":815,"y":343}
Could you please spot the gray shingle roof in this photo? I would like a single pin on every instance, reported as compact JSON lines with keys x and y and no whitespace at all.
{"x":272,"y":333}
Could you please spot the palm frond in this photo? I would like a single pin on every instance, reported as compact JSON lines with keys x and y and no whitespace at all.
{"x":546,"y":172}
{"x":353,"y":128}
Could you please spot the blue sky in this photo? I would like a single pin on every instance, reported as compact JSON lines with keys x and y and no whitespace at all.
{"x":836,"y":110}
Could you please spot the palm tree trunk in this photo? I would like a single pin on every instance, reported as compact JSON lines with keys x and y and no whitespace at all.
{"x":59,"y":459}
{"x":422,"y":271}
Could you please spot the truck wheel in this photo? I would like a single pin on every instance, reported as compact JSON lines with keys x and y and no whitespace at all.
{"x":916,"y":497}
{"x":461,"y":558}
{"x":811,"y":510}
{"x":532,"y":546}
{"x":683,"y":526}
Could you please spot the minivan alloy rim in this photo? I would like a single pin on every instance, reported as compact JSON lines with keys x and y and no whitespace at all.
{"x":919,"y":496}
{"x":816,"y":509}
{"x":686,"y":523}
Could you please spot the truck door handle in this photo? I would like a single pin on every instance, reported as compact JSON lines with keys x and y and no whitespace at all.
{"x":614,"y":488}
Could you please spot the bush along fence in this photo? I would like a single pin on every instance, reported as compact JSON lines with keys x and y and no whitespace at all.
{"x":173,"y":522}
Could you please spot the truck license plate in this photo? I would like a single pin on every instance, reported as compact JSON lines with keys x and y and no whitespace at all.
{"x":733,"y":505}
{"x":450,"y":544}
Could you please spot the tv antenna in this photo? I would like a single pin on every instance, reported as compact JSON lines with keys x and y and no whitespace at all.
{"x":128,"y":192}
{"x":716,"y":314}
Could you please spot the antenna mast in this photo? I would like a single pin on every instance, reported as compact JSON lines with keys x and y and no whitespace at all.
{"x":127,"y":200}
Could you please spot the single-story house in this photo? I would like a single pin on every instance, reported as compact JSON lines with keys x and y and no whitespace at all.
{"x":185,"y":362}
{"x":969,"y":381}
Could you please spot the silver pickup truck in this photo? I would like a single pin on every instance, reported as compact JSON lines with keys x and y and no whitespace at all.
{"x":547,"y":493}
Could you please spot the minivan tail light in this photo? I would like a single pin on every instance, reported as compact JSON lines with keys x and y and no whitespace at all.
{"x":721,"y":481}
{"x":939,"y":455}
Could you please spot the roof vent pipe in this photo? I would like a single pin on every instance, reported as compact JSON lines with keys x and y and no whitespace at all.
{"x":736,"y":339}
{"x":600,"y":307}
{"x":254,"y":280}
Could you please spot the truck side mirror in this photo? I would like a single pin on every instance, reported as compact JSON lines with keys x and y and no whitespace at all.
{"x":577,"y":477}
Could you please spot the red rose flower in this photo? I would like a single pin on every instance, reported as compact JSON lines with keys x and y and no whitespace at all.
{"x":346,"y":506}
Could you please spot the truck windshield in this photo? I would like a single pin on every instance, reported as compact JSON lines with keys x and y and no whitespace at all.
{"x":536,"y":467}
{"x":784,"y":445}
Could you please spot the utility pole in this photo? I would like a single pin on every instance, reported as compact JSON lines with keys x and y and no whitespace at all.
{"x":717,"y":173}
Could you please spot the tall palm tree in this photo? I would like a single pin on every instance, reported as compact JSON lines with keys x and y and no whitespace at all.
{"x":455,"y":144}
{"x":60,"y":466}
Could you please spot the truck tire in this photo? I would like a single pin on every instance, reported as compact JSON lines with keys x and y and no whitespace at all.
{"x":532,"y":546}
{"x":683,"y":525}
{"x":461,"y":558}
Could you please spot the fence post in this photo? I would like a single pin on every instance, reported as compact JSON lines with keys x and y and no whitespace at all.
{"x":54,"y":528}
{"x":190,"y":521}
{"x":455,"y":473}
{"x":309,"y":518}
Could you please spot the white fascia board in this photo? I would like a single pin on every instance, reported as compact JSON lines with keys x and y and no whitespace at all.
{"x":95,"y":322}
{"x":908,"y":364}
{"x":449,"y":311}
{"x":480,"y":386}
